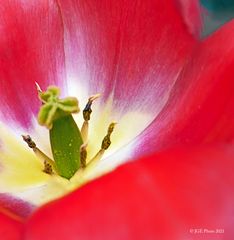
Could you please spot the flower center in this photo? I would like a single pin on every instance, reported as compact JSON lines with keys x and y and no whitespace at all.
{"x":33,"y":176}
{"x":68,"y":143}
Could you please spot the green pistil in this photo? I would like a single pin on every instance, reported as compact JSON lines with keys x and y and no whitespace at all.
{"x":65,"y":140}
{"x":65,"y":136}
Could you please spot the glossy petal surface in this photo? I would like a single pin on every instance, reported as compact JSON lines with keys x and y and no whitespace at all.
{"x":159,"y":197}
{"x":113,"y":47}
{"x":131,"y":53}
{"x":200,"y":107}
{"x":124,"y":50}
{"x":10,"y":227}
{"x":118,"y":48}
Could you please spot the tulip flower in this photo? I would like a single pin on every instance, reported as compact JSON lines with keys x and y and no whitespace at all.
{"x":168,"y":171}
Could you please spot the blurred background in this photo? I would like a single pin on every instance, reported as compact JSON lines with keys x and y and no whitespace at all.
{"x":216,"y":13}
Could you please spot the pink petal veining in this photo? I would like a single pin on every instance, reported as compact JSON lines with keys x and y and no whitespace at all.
{"x":131,"y":49}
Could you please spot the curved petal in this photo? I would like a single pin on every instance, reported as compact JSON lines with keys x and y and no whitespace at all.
{"x":31,"y":49}
{"x":11,"y":227}
{"x":113,"y":46}
{"x":200,"y":107}
{"x":132,"y":53}
{"x":191,"y":11}
{"x":129,"y":51}
{"x":164,"y":196}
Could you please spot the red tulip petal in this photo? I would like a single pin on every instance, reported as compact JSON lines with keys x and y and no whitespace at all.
{"x":131,"y":50}
{"x":191,"y":12}
{"x":200,"y":108}
{"x":31,"y":49}
{"x":109,"y":45}
{"x":164,"y":196}
{"x":10,"y":226}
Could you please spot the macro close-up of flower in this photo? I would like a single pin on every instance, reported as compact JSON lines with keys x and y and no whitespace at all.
{"x":116,"y":121}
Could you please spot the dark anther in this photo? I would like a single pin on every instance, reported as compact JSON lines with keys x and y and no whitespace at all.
{"x":106,"y":142}
{"x":111,"y":128}
{"x":29,"y":141}
{"x":47,"y":168}
{"x":87,"y":111}
{"x":83,"y":156}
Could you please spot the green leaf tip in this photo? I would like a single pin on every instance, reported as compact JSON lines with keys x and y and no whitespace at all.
{"x":54,"y":108}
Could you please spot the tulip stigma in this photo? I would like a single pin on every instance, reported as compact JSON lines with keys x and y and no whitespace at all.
{"x":68,"y":143}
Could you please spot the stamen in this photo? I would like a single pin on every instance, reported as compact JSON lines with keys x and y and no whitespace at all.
{"x":47,"y":168}
{"x":86,"y":115}
{"x":29,"y":141}
{"x":38,"y":88}
{"x":83,"y":155}
{"x":106,"y":142}
{"x":68,"y":143}
{"x":48,"y":163}
{"x":97,"y":157}
{"x":39,"y":91}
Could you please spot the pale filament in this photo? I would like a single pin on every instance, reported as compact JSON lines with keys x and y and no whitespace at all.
{"x":105,"y":145}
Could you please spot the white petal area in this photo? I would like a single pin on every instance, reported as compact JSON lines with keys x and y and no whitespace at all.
{"x":22,"y":176}
{"x":131,"y":120}
{"x":21,"y":172}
